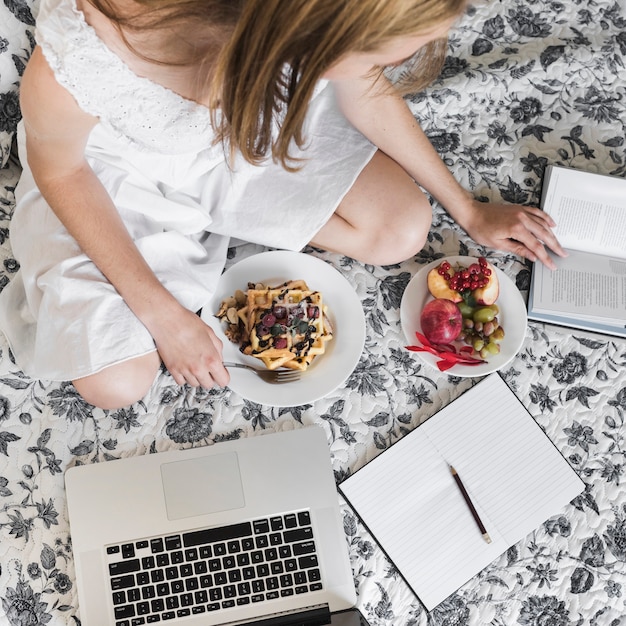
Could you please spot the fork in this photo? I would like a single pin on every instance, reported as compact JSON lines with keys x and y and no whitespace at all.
{"x":270,"y":376}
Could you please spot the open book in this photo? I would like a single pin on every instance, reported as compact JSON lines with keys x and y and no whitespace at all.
{"x":410,"y":502}
{"x":588,"y":288}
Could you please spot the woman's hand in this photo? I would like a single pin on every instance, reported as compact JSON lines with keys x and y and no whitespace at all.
{"x":522,"y":230}
{"x":190,"y":350}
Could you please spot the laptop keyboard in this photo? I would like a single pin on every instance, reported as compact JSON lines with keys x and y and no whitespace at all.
{"x":162,"y":578}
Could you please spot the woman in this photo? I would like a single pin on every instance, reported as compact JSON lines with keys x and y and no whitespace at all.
{"x":170,"y":126}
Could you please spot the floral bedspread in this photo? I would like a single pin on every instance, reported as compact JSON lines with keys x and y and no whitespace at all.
{"x":526,"y":83}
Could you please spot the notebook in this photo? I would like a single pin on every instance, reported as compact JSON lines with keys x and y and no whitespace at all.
{"x":241,"y":532}
{"x":512,"y":474}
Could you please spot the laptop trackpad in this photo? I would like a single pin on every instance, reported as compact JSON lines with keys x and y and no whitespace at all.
{"x":202,"y":486}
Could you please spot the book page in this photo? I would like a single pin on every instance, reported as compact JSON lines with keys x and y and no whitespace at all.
{"x":584,"y":286}
{"x":408,"y":499}
{"x":589,"y":210}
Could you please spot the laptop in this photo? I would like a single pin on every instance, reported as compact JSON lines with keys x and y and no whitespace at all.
{"x":246,"y":531}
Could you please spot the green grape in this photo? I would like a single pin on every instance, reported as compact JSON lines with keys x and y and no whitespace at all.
{"x":498,"y":334}
{"x":492,"y":348}
{"x":484,"y":314}
{"x":466,"y":310}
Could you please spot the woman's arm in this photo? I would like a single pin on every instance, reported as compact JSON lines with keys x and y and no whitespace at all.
{"x":381,"y":114}
{"x":56,"y":134}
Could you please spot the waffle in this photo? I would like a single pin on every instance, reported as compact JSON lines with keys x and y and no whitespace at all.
{"x":284,"y":326}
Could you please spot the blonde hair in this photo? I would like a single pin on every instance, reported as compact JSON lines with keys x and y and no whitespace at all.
{"x":273,"y":52}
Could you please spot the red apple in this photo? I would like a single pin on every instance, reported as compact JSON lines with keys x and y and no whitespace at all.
{"x":441,"y":321}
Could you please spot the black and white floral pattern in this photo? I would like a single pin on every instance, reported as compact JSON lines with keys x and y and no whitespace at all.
{"x":16,"y":43}
{"x":525,"y":83}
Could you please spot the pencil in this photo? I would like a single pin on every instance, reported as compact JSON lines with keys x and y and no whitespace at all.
{"x":470,"y":505}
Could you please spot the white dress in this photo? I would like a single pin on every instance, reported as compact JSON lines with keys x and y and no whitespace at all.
{"x":181,"y":203}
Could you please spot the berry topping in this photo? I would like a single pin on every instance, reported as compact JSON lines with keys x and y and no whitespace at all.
{"x":269,"y":320}
{"x":280,"y":312}
{"x":262,"y":330}
{"x":313,"y":312}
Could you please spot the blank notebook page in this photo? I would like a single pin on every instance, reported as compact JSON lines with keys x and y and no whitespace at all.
{"x":411,"y":504}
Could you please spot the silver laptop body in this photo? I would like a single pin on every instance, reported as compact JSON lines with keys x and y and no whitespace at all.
{"x":167,"y":511}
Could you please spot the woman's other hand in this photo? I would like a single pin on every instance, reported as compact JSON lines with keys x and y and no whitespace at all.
{"x":522,"y":230}
{"x":190,"y":349}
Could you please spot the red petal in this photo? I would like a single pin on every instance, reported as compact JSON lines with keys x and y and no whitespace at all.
{"x":448,"y":356}
{"x":445,"y":365}
{"x":422,"y":339}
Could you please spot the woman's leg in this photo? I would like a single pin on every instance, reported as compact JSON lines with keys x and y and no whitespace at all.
{"x":120,"y":385}
{"x":383,"y":219}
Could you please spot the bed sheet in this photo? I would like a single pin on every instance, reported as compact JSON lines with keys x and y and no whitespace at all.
{"x":526,"y":83}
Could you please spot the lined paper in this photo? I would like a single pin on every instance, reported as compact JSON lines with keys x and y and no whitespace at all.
{"x":409,"y":501}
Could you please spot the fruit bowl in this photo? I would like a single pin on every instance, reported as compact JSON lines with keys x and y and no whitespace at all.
{"x":512,"y":317}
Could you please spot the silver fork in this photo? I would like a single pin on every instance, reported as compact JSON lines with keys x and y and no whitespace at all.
{"x":270,"y":376}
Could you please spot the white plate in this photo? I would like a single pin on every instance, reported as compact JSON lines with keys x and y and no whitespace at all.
{"x":329,"y":370}
{"x":512,"y":316}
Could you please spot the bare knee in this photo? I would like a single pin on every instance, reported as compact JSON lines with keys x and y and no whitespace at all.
{"x":384,"y":219}
{"x":120,"y":385}
{"x":403,"y":237}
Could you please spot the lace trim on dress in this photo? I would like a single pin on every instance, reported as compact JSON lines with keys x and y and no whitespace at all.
{"x":148,"y":115}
